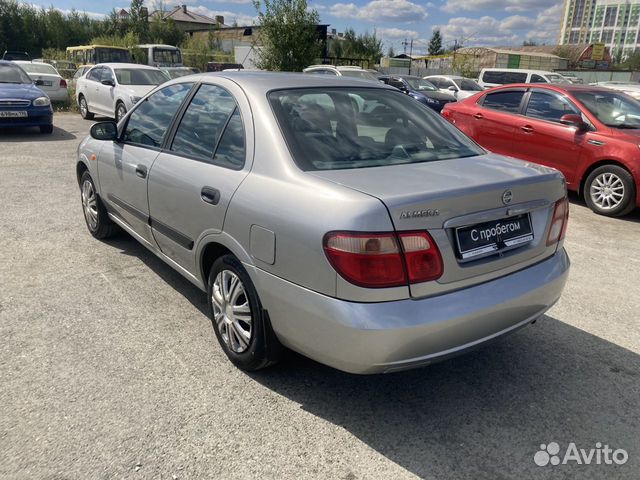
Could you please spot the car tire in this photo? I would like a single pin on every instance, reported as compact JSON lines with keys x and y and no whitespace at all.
{"x":95,"y":214}
{"x":121,"y":111}
{"x":241,"y":325}
{"x":610,"y":191}
{"x":84,"y":108}
{"x":46,"y":129}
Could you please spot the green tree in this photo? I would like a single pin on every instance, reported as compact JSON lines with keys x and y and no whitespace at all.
{"x":364,"y":46}
{"x":289,"y":35}
{"x":435,"y":44}
{"x":391,"y":52}
{"x":138,"y":19}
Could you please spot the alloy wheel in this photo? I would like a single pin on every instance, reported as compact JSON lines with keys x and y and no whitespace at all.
{"x":232,"y":311}
{"x":607,"y":191}
{"x":90,"y":204}
{"x":83,"y":107}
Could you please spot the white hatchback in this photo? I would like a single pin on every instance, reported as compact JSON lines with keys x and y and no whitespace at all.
{"x":112,"y":89}
{"x":47,"y":79}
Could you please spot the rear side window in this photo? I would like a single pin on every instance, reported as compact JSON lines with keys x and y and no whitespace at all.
{"x":508,"y":101}
{"x":149,"y":122}
{"x":537,"y":79}
{"x":547,"y":106}
{"x":212,"y":112}
{"x":494,"y":77}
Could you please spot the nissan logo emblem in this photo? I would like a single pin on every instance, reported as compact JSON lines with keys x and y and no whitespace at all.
{"x":507,"y":196}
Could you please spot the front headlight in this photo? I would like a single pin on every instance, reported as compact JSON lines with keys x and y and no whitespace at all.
{"x":134,"y":99}
{"x":42,"y":102}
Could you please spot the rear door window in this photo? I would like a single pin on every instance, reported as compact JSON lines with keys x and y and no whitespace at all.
{"x":537,"y":79}
{"x":212,"y":112}
{"x":506,"y":101}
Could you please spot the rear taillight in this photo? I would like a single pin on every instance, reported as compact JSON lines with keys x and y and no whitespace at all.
{"x":559,"y":222}
{"x":63,"y":83}
{"x":378,"y":260}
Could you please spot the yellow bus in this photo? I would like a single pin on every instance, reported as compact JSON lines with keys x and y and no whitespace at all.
{"x":93,"y":54}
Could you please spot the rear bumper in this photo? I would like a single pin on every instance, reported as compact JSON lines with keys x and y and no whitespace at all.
{"x":389,"y":336}
{"x":61,"y":95}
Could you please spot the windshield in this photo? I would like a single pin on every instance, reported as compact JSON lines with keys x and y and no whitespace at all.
{"x":134,"y":76}
{"x":112,"y":55}
{"x":339,"y":128}
{"x":179,"y":71}
{"x":420,"y":84}
{"x":13,"y":74}
{"x":39,"y":68}
{"x":555,"y":78}
{"x":614,"y":109}
{"x":466,"y":84}
{"x":358,"y":74}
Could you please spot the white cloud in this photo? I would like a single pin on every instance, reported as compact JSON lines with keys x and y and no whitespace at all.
{"x":401,"y":11}
{"x":395,"y":33}
{"x":512,"y":30}
{"x":229,"y":17}
{"x":454,"y":6}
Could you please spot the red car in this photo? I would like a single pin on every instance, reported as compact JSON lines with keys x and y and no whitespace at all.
{"x":590,"y":134}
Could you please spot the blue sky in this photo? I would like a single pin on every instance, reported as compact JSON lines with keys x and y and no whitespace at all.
{"x":474,"y":22}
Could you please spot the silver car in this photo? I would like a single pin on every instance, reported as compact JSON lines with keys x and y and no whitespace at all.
{"x":335,"y":217}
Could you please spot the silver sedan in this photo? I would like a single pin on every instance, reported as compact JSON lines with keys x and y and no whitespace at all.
{"x":335,"y":217}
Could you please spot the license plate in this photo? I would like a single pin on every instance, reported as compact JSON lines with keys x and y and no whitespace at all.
{"x":47,"y":83}
{"x":13,"y":114}
{"x":489,"y":237}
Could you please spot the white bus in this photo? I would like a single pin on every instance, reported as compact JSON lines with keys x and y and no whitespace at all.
{"x":158,"y":55}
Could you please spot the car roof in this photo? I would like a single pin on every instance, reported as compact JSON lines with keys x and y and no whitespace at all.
{"x":563,"y":88}
{"x":259,"y":82}
{"x":126,"y":65}
{"x":520,"y":70}
{"x":451,"y":77}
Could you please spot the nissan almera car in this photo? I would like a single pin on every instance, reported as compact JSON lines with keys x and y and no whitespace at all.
{"x":338,"y":218}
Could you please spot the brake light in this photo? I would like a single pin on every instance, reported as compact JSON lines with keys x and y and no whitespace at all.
{"x":376,"y":260}
{"x":559,"y":222}
{"x":422,"y":257}
{"x":63,"y":83}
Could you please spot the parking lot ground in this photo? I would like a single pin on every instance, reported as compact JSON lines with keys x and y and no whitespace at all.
{"x":109,"y":367}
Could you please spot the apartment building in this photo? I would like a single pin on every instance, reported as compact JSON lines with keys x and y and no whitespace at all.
{"x":612,"y":22}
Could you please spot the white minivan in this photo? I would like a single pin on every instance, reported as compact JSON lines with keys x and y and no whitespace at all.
{"x":494,"y":77}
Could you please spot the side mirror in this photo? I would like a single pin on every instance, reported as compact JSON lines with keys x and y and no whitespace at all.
{"x":104,"y":131}
{"x":452,"y":89}
{"x":108,"y":82}
{"x":574,"y":120}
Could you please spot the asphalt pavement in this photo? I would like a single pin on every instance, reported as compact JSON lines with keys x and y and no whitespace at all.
{"x":109,"y":367}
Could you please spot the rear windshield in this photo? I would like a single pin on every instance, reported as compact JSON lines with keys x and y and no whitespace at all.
{"x":39,"y":68}
{"x":13,"y":74}
{"x":359,"y":74}
{"x":133,"y":76}
{"x":339,"y":128}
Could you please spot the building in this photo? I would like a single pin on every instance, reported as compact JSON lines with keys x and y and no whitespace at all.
{"x":189,"y":21}
{"x":614,"y":23}
{"x":475,"y":59}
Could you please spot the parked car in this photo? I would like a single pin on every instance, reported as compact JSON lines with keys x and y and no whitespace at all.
{"x":421,"y":90}
{"x":493,"y":77}
{"x":13,"y":55}
{"x":590,"y":134}
{"x":48,"y":79}
{"x":459,"y":87}
{"x":111,"y":89}
{"x":630,"y":88}
{"x":22,"y":104}
{"x":342,"y":71}
{"x":81,"y":71}
{"x":572,"y":78}
{"x":406,"y":242}
{"x":175,"y":72}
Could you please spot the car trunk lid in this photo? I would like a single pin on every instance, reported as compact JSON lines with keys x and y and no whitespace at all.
{"x":444,"y":196}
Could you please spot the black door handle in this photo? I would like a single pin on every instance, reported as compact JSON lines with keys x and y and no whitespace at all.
{"x":210,"y":195}
{"x":141,"y":171}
